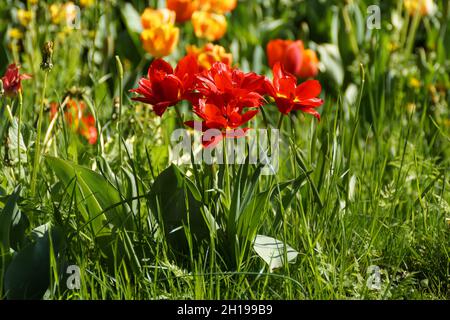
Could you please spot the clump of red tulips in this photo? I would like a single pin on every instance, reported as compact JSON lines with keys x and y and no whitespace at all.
{"x":224,"y":98}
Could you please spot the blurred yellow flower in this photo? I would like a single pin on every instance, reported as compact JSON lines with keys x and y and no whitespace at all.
{"x":209,"y":25}
{"x":86,"y":3}
{"x":63,"y":12}
{"x":24,"y":17}
{"x":160,"y":41}
{"x":424,"y":7}
{"x":414,"y":82}
{"x":218,"y":6}
{"x":209,"y":54}
{"x":33,"y":1}
{"x":15,"y":33}
{"x":152,"y":18}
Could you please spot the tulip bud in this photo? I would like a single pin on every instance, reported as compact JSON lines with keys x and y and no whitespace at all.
{"x":47,"y":55}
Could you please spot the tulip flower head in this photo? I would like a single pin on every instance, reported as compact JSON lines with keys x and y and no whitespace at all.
{"x":294,"y":58}
{"x":230,"y":98}
{"x":289,"y":96}
{"x":164,"y":87}
{"x":12,"y":80}
{"x":211,"y":26}
{"x":182,"y":8}
{"x":160,"y":41}
{"x":152,"y":18}
{"x":208,"y":54}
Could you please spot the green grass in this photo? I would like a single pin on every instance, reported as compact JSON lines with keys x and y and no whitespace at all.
{"x":372,"y":177}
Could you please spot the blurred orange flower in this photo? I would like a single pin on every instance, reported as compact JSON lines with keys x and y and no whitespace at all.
{"x":152,"y":18}
{"x":182,"y":8}
{"x":160,"y":41}
{"x":424,"y":7}
{"x":78,"y":119}
{"x":219,"y":6}
{"x":209,"y":54}
{"x":209,"y":25}
{"x":310,"y":65}
{"x":293,"y":57}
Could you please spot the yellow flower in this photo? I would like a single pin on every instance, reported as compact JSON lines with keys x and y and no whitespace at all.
{"x":423,"y":7}
{"x":15,"y":33}
{"x":24,"y":17}
{"x":33,"y":1}
{"x":218,"y":6}
{"x":414,"y":82}
{"x":209,"y":54}
{"x":86,"y":3}
{"x":152,"y":18}
{"x":160,"y":41}
{"x":67,"y":12}
{"x":208,"y":25}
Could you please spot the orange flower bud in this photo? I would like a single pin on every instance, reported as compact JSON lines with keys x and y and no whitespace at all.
{"x":182,"y":8}
{"x":152,"y":18}
{"x":209,"y":54}
{"x":310,"y":65}
{"x":160,"y":41}
{"x":208,"y":25}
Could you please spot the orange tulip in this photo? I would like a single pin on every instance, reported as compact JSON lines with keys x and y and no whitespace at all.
{"x":288,"y":52}
{"x":152,"y":18}
{"x":219,"y":6}
{"x":209,"y":54}
{"x":209,"y":25}
{"x":424,"y":7}
{"x":310,"y":65}
{"x":160,"y":41}
{"x":182,"y":8}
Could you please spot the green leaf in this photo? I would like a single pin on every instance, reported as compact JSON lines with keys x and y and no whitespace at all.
{"x":28,"y":274}
{"x":97,"y":199}
{"x":331,"y":59}
{"x":175,"y":201}
{"x":274,"y":252}
{"x":7,"y":215}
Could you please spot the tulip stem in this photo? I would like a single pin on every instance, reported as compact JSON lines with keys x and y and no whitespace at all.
{"x":19,"y":118}
{"x":280,"y":121}
{"x":37,"y":153}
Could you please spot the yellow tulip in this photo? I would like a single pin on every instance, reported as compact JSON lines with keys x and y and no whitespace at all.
{"x":160,"y":41}
{"x":209,"y":25}
{"x":218,"y":6}
{"x":209,"y":54}
{"x":152,"y":18}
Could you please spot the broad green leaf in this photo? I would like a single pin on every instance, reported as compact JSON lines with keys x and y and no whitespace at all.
{"x":7,"y":215}
{"x":273,"y":251}
{"x":28,"y":274}
{"x":97,"y":199}
{"x":175,"y":202}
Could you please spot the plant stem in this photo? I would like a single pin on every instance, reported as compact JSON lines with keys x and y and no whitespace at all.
{"x":19,"y":118}
{"x":280,"y":121}
{"x":119,"y":123}
{"x":37,"y":154}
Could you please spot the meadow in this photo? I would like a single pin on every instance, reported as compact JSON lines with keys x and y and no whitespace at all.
{"x":96,"y":201}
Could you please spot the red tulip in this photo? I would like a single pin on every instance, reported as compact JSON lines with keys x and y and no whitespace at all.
{"x":12,"y":80}
{"x":289,"y":96}
{"x":230,"y":98}
{"x":165,"y":87}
